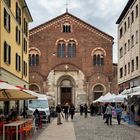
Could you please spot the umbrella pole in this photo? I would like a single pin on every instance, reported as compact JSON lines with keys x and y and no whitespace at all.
{"x":6,"y":94}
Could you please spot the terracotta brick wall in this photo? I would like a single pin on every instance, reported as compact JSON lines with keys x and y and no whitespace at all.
{"x":87,"y":38}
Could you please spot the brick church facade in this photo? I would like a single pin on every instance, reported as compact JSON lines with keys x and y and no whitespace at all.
{"x":71,"y":60}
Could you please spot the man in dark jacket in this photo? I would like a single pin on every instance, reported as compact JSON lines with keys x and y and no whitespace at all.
{"x":58,"y":111}
{"x":66,"y":111}
{"x":85,"y":110}
{"x":72,"y":111}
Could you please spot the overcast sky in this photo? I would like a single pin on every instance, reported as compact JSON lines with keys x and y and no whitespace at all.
{"x":102,"y":14}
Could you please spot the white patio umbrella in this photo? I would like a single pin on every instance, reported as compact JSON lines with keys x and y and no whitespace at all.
{"x":4,"y":85}
{"x":9,"y":92}
{"x":32,"y":92}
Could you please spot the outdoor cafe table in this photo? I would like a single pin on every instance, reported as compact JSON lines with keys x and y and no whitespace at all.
{"x":16,"y":124}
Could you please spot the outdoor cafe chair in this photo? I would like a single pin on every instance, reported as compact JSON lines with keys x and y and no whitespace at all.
{"x":28,"y":129}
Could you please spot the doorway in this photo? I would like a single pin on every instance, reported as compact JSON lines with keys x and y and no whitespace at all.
{"x":97,"y":95}
{"x":98,"y":91}
{"x":66,"y":95}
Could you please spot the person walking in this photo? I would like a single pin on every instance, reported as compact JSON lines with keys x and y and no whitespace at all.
{"x":72,"y":111}
{"x":91,"y":109}
{"x":119,"y":113}
{"x":24,"y":113}
{"x":108,"y":112}
{"x":37,"y":117}
{"x":103,"y":111}
{"x":81,"y":109}
{"x":66,"y":111}
{"x":58,"y":111}
{"x":85,"y":110}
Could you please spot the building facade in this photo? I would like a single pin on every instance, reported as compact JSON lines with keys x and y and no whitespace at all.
{"x":14,"y":42}
{"x":129,"y":46}
{"x":71,"y":60}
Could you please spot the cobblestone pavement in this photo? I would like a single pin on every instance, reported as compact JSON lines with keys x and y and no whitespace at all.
{"x":93,"y":128}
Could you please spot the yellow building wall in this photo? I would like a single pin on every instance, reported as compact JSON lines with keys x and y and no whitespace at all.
{"x":10,"y":38}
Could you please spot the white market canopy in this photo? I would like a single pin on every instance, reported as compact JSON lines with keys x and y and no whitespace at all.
{"x":119,"y":98}
{"x":126,"y":91}
{"x":98,"y":100}
{"x":135,"y":93}
{"x":109,"y":97}
{"x":106,"y":98}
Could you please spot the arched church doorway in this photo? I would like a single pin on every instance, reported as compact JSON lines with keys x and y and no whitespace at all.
{"x":66,"y":90}
{"x":98,"y":91}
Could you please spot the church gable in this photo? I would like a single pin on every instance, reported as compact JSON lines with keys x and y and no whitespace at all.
{"x":65,"y":21}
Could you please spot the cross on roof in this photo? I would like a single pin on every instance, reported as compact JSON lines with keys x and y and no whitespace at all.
{"x":67,"y":4}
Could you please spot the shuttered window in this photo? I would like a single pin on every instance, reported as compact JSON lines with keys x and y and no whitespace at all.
{"x":7,"y":53}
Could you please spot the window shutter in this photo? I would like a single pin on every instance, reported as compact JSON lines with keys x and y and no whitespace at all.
{"x":16,"y":61}
{"x":9,"y":55}
{"x":5,"y":50}
{"x":19,"y":15}
{"x":9,"y":23}
{"x":19,"y":36}
{"x":16,"y":34}
{"x":19,"y":63}
{"x":5,"y":14}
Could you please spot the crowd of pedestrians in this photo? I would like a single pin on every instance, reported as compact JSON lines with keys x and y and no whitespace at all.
{"x":68,"y":110}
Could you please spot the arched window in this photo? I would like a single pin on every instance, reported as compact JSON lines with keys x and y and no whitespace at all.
{"x":98,"y":88}
{"x":61,"y":48}
{"x":34,"y":55}
{"x":66,"y":28}
{"x":98,"y":58}
{"x":34,"y":87}
{"x":71,"y":49}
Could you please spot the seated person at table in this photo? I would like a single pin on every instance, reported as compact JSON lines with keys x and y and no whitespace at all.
{"x":24,"y":113}
{"x":13,"y":114}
